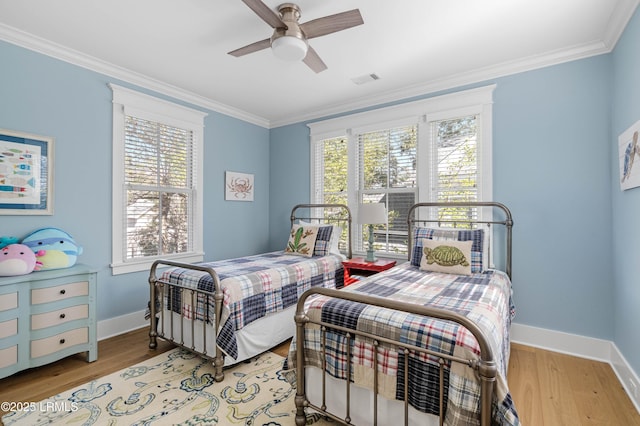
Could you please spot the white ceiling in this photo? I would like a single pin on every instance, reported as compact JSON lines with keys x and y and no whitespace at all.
{"x":179,"y":47}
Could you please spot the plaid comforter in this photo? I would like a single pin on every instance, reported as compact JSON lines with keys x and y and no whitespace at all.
{"x":484,"y":298}
{"x":253,"y":287}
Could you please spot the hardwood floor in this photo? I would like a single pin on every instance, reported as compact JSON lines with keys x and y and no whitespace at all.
{"x":548,"y":388}
{"x":556,"y":389}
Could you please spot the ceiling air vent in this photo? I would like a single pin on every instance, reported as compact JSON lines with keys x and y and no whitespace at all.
{"x":367,"y":78}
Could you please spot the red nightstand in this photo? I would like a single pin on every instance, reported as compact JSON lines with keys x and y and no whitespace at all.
{"x":359,"y":266}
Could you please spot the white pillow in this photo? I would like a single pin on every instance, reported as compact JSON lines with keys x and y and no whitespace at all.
{"x":486,"y":246}
{"x":334,"y":246}
{"x":451,"y":257}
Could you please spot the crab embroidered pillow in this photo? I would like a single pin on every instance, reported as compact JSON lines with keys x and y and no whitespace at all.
{"x":302,"y":240}
{"x":451,"y":257}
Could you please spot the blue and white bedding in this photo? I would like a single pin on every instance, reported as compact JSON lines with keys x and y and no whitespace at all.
{"x":253,"y":287}
{"x":484,"y":298}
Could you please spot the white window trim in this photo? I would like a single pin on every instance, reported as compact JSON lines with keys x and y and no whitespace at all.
{"x":423,"y":112}
{"x":148,"y":107}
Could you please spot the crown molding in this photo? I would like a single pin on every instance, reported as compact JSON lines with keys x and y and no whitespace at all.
{"x":616,"y":25}
{"x":458,"y":80}
{"x":618,"y":21}
{"x":46,"y":47}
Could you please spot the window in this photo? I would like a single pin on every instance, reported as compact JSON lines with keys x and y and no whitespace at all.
{"x":455,"y":171}
{"x":438,"y":149}
{"x":386,"y":161}
{"x":331,"y":176}
{"x":157,"y":178}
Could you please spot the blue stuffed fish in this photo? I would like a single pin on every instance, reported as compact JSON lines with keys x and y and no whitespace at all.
{"x":61,"y":249}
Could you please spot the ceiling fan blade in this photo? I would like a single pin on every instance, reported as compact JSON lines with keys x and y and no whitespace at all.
{"x":332,"y":23}
{"x":265,"y":13}
{"x":313,"y":61}
{"x":253,"y":47}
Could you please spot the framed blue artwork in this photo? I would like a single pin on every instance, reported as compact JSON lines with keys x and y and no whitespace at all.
{"x":26,"y":174}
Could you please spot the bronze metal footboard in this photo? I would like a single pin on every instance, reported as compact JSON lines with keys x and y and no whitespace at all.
{"x":474,"y":214}
{"x":158,"y":292}
{"x":484,"y":366}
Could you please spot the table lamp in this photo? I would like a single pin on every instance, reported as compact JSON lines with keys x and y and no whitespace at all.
{"x":371,"y":214}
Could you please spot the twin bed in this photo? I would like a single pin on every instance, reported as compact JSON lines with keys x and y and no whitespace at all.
{"x":232,"y":310}
{"x":426,"y":341}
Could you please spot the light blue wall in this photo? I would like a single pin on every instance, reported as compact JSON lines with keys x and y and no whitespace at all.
{"x":551,"y":131}
{"x":555,"y":149}
{"x":45,"y":96}
{"x":626,"y":205}
{"x":290,"y":178}
{"x":235,"y":228}
{"x":551,"y":168}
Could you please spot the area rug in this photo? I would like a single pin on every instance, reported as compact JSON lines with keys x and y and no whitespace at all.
{"x":176,"y":387}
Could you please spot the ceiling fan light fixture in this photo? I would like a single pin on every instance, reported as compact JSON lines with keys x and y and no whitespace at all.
{"x":289,"y":48}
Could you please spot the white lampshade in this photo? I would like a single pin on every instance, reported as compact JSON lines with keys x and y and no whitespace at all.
{"x":289,"y":48}
{"x":372,"y":213}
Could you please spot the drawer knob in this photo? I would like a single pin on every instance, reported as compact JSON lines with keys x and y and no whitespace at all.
{"x":63,"y":291}
{"x":62,"y":341}
{"x":62,"y":316}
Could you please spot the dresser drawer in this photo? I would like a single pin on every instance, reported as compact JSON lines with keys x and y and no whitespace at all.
{"x":8,"y":301}
{"x":49,"y":345}
{"x":8,"y":328}
{"x":49,"y":319}
{"x":8,"y":356}
{"x":46,"y":316}
{"x":59,"y":292}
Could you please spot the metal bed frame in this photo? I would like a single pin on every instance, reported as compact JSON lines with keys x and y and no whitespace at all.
{"x":333,"y":213}
{"x":485,"y":366}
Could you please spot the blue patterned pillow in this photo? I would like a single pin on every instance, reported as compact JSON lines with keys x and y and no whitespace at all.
{"x":475,"y":235}
{"x":323,"y":241}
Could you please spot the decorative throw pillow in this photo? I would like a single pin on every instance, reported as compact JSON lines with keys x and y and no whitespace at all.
{"x":451,"y":257}
{"x":323,"y":240}
{"x":333,"y":240}
{"x":302,"y":240}
{"x":474,"y":235}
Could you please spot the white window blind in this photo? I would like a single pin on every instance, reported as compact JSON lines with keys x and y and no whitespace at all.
{"x":437,"y":149}
{"x":157,"y":181}
{"x":387,"y":174}
{"x":159,"y":188}
{"x":455,"y":173}
{"x":330,"y":170}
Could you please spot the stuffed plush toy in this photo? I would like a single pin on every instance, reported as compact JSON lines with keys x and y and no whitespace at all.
{"x":61,"y":251}
{"x":5,"y":241}
{"x":18,"y":259}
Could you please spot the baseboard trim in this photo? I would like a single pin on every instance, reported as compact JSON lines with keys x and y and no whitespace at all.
{"x":122,"y":324}
{"x":583,"y":347}
{"x":626,"y":375}
{"x":556,"y":341}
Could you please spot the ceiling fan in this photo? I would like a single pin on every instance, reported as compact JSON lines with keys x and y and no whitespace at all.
{"x":290,"y":38}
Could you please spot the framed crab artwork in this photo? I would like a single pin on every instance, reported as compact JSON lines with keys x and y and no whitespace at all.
{"x":628,"y":150}
{"x":238,"y":186}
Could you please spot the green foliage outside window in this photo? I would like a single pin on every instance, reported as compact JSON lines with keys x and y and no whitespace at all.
{"x":388,"y":173}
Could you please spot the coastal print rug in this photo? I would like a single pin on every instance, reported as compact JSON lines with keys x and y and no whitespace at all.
{"x":177,"y":388}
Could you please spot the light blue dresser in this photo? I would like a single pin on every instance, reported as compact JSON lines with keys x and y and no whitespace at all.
{"x":45,"y":316}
